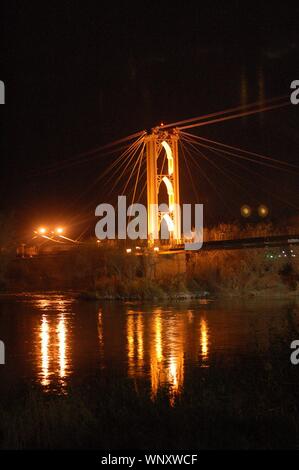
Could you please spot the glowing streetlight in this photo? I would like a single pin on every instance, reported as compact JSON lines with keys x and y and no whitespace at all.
{"x":59,"y":230}
{"x":263,"y":210}
{"x":42,"y":230}
{"x":129,"y":250}
{"x":246,"y":211}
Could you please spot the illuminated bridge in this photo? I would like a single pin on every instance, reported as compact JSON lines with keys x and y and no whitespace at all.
{"x":147,"y":167}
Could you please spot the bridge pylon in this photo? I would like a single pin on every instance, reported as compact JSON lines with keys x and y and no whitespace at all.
{"x":162,"y":144}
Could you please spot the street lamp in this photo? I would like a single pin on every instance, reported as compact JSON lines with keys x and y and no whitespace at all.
{"x":263,"y":210}
{"x":246,"y":211}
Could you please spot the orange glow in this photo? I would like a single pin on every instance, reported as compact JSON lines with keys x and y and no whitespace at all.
{"x":42,"y":230}
{"x":130,"y":346}
{"x":156,"y":354}
{"x":59,"y":230}
{"x":44,"y":336}
{"x":167,"y":358}
{"x":140,"y":347}
{"x":204,"y":339}
{"x":54,"y":344}
{"x":169,"y":144}
{"x":169,"y":156}
{"x":246,"y":211}
{"x":175,"y":376}
{"x":158,"y":337}
{"x":263,"y":211}
{"x":170,"y":192}
{"x":61,"y":332}
{"x":135,"y":343}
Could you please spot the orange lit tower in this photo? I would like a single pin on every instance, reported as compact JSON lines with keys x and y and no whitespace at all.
{"x":161,"y":144}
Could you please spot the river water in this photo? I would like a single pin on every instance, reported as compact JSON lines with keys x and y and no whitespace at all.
{"x":53,"y":339}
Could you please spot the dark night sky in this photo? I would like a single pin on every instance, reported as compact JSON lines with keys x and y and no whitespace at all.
{"x":78,"y":76}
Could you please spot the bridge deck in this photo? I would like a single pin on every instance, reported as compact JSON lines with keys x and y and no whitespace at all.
{"x":243,"y":243}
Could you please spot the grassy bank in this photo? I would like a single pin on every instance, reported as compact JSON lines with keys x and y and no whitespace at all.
{"x":102,"y":271}
{"x":249,"y":272}
{"x":103,"y":274}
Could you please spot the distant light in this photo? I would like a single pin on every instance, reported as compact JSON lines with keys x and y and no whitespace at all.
{"x":137,"y":248}
{"x":156,"y":248}
{"x":246,"y":211}
{"x":263,"y":210}
{"x":129,"y":250}
{"x":162,"y":124}
{"x":59,"y":230}
{"x":98,"y":241}
{"x":42,"y":230}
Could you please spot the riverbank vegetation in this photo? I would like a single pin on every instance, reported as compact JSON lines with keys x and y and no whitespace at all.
{"x":104,"y":271}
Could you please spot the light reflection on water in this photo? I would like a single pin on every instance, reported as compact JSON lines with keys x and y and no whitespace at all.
{"x":160,"y":340}
{"x":155,"y":345}
{"x":204,"y":339}
{"x":101,"y":333}
{"x":53,"y":359}
{"x":44,"y":335}
{"x":58,"y":338}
